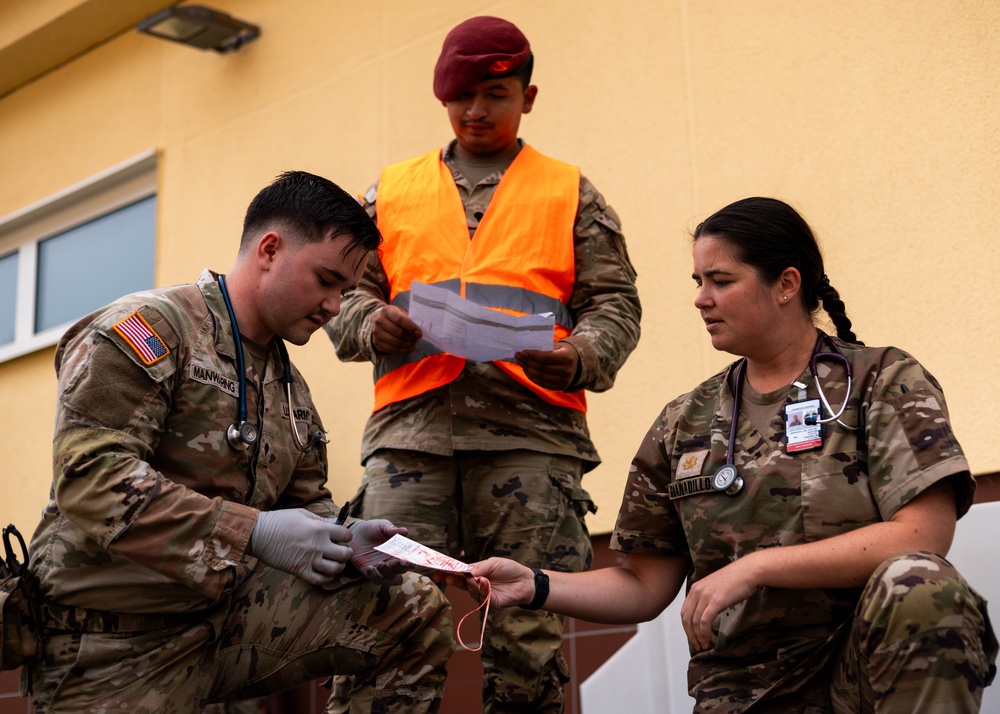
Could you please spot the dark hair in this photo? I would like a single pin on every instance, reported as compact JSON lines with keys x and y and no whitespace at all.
{"x":523,"y":72}
{"x":769,"y":235}
{"x":314,"y":208}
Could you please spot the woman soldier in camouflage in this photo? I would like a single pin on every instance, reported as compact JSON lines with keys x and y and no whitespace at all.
{"x":815,"y":562}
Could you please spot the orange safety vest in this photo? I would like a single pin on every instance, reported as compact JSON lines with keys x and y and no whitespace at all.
{"x":520,"y":260}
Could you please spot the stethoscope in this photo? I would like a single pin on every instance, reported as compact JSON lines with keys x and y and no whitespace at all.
{"x":244,"y":434}
{"x":726,"y":478}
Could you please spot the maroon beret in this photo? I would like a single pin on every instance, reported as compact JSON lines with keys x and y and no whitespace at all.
{"x":477,"y":48}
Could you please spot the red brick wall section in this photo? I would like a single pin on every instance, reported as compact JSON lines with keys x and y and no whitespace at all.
{"x":987,"y":488}
{"x":11,"y":702}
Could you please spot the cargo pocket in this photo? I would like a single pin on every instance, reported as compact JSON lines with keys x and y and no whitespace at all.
{"x":18,"y":628}
{"x":569,"y":548}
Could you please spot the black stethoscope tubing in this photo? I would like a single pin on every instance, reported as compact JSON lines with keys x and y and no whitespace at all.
{"x":243,"y":433}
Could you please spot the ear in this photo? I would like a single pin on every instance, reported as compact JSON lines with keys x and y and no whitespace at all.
{"x":269,"y":246}
{"x":788,"y":285}
{"x":529,"y":98}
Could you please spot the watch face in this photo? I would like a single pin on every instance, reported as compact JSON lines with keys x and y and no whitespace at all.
{"x":724,"y":477}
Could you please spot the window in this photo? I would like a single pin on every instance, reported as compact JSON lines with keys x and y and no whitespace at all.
{"x":75,"y":252}
{"x":8,"y":291}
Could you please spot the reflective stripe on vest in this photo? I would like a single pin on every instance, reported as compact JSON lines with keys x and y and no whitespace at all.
{"x":520,"y":260}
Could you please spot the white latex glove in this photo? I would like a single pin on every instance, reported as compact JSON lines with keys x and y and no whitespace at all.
{"x":375,"y":565}
{"x":301,"y":543}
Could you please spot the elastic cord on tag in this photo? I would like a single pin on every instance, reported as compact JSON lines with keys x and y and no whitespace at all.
{"x":486,"y":613}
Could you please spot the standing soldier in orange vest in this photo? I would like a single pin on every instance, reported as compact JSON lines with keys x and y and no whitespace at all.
{"x":487,"y":458}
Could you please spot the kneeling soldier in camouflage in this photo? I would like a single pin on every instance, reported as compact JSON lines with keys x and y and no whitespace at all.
{"x":185,"y":559}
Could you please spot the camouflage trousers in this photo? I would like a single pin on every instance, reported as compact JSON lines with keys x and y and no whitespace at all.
{"x":920,"y":641}
{"x":520,"y":504}
{"x":273,"y":633}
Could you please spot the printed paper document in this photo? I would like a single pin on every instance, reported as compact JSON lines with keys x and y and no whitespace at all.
{"x":418,"y":554}
{"x":465,"y":329}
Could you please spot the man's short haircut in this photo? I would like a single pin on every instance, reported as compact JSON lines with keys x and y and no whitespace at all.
{"x":312,"y":208}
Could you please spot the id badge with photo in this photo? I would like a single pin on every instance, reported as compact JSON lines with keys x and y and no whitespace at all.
{"x":802,"y":428}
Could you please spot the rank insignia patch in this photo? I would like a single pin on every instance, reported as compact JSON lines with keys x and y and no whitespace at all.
{"x":140,"y":336}
{"x":691,"y":463}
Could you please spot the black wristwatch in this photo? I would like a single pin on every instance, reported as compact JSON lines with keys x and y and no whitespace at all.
{"x":541,"y":591}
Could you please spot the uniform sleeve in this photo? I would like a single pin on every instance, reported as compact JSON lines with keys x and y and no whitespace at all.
{"x":647,"y":521}
{"x":605,"y":303}
{"x":911,"y":445}
{"x":111,"y":414}
{"x":351,"y":330}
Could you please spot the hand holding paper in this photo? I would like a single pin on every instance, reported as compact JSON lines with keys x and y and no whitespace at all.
{"x":554,"y":369}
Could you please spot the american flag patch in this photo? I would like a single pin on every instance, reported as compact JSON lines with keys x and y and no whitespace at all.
{"x":142,"y":339}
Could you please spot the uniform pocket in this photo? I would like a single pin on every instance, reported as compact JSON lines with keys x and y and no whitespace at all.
{"x":836,"y":496}
{"x":569,"y":547}
{"x":569,"y":485}
{"x":18,"y":629}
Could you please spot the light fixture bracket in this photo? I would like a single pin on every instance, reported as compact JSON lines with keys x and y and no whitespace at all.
{"x":201,"y":27}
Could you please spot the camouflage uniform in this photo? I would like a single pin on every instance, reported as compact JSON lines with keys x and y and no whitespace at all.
{"x":150,"y":599}
{"x":422,"y":455}
{"x":780,"y":648}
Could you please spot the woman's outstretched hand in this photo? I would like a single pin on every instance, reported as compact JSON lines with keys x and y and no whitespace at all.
{"x":511,"y":582}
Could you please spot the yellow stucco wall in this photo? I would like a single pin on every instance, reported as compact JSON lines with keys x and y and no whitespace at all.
{"x":877,"y":119}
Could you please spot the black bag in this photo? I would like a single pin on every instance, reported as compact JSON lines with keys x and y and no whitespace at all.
{"x":18,"y":625}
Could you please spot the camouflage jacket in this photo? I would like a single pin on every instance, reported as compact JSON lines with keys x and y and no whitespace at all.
{"x":484,"y":409}
{"x":151,"y":509}
{"x":902,"y":444}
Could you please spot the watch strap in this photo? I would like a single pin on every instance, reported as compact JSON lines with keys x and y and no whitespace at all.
{"x":541,"y":590}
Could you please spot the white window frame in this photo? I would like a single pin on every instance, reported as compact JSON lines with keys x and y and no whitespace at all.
{"x":23,"y":230}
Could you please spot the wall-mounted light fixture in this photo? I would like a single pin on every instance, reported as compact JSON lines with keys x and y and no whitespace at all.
{"x":200,"y":27}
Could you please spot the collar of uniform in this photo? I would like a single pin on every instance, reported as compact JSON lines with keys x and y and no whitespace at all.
{"x":225,"y":344}
{"x":208,"y":283}
{"x":448,"y":157}
{"x":448,"y":152}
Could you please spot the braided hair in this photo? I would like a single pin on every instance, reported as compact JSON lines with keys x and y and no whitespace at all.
{"x":769,"y":235}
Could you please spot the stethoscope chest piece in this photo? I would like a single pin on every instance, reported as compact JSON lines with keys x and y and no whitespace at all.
{"x":242,"y":435}
{"x":727,"y":480}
